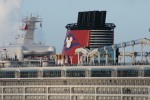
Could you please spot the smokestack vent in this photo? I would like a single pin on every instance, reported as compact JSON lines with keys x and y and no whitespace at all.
{"x":91,"y":20}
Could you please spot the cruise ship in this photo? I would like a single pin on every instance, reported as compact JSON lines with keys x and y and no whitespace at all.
{"x":91,"y":66}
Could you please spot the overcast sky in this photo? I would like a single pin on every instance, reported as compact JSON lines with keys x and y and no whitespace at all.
{"x":132,"y":17}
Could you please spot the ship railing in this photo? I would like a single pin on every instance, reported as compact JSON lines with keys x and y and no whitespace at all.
{"x":102,"y":64}
{"x":31,"y":19}
{"x":37,"y":58}
{"x":76,"y":65}
{"x":9,"y":59}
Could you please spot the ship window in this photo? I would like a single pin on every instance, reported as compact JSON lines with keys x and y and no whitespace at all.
{"x":28,"y":73}
{"x":101,"y":72}
{"x":7,"y":74}
{"x":128,"y":72}
{"x":147,"y":72}
{"x":75,"y":73}
{"x":51,"y":73}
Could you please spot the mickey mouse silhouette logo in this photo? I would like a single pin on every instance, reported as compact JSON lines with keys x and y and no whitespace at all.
{"x":68,"y":41}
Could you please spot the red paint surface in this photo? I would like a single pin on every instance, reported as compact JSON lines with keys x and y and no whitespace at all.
{"x":80,"y":39}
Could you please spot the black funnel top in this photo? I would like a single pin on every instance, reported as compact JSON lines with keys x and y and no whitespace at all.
{"x":93,"y":20}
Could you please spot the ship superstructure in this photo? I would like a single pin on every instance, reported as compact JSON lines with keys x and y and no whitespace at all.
{"x":92,"y":71}
{"x":26,"y":49}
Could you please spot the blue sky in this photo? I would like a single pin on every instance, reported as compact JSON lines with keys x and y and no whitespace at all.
{"x":132,"y":17}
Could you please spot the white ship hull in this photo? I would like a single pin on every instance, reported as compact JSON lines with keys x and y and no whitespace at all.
{"x":76,"y":89}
